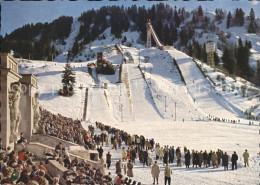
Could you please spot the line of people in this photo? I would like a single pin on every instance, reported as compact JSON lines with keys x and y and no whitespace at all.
{"x":166,"y":154}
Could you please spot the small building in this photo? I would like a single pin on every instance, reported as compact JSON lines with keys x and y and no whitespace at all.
{"x":103,"y":66}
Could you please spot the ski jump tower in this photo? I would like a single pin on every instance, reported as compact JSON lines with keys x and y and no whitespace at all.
{"x":150,"y":33}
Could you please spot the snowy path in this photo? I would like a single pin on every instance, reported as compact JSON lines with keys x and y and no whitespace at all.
{"x":201,"y":90}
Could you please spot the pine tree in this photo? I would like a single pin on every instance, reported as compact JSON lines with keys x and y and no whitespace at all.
{"x":239,"y":17}
{"x":177,"y":19}
{"x":240,"y":43}
{"x":68,"y":80}
{"x":69,"y":55}
{"x":228,"y":61}
{"x":190,"y":51}
{"x":174,"y":33}
{"x":242,"y":57}
{"x":197,"y":50}
{"x":200,"y":11}
{"x":166,"y":35}
{"x":204,"y":53}
{"x":219,"y":15}
{"x":183,"y":37}
{"x":258,"y":73}
{"x":194,"y":19}
{"x":252,"y":26}
{"x":249,"y":45}
{"x":252,"y":15}
{"x":75,"y":48}
{"x":229,"y":17}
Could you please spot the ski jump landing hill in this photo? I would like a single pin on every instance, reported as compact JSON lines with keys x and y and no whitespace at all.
{"x":200,"y":89}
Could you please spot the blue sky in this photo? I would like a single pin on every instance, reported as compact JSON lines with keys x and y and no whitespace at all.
{"x":18,"y":13}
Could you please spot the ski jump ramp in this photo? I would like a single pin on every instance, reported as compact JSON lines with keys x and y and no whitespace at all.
{"x":151,"y":32}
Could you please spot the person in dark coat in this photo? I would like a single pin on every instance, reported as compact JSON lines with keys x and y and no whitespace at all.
{"x":200,"y":158}
{"x":25,"y":176}
{"x":209,"y":157}
{"x":225,"y":161}
{"x":141,"y":156}
{"x":205,"y":159}
{"x":187,"y":159}
{"x":177,"y":151}
{"x":219,"y":154}
{"x":108,"y":160}
{"x":133,"y":155}
{"x":166,"y":157}
{"x":195,"y":159}
{"x":100,"y":152}
{"x":171,"y":155}
{"x":130,"y":169}
{"x":118,"y":167}
{"x":234,"y":159}
{"x":173,"y":151}
{"x":145,"y":158}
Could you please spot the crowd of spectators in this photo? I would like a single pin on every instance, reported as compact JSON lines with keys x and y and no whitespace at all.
{"x":22,"y":168}
{"x":18,"y":167}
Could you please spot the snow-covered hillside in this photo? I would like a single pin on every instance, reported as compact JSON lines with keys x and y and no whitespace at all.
{"x":230,"y":35}
{"x":155,"y":86}
{"x":147,"y":102}
{"x":221,"y":35}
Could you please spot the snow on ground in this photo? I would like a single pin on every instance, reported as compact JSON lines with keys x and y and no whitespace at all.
{"x":199,"y":136}
{"x":230,"y":89}
{"x":136,"y":107}
{"x":202,"y":91}
{"x":75,"y":27}
{"x":92,"y":48}
{"x":231,"y":36}
{"x":192,"y":101}
{"x":167,"y":87}
{"x":49,"y":82}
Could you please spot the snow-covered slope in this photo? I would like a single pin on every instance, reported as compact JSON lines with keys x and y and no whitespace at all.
{"x":161,"y":95}
{"x":201,"y":90}
{"x":147,"y":107}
